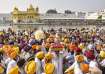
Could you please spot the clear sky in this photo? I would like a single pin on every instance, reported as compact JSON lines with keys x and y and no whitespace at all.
{"x":7,"y":6}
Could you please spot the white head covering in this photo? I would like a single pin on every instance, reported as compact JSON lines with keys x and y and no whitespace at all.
{"x":102,"y":63}
{"x":90,"y":46}
{"x":11,"y":64}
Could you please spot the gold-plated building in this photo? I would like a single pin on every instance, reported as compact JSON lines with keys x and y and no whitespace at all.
{"x":28,"y":16}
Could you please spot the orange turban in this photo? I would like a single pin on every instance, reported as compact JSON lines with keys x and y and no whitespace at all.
{"x":84,"y":67}
{"x":79,"y":58}
{"x":72,"y":46}
{"x":7,"y":49}
{"x":33,"y":47}
{"x":12,"y":52}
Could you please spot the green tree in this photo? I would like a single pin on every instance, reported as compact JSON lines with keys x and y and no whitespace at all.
{"x":99,"y":17}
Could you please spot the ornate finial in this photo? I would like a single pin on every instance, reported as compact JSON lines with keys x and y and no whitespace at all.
{"x":15,"y":8}
{"x":37,"y":9}
{"x":30,"y":7}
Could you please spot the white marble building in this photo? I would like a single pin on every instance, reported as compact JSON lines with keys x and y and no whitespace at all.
{"x":73,"y":20}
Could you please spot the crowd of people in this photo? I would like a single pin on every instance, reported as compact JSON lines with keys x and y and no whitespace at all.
{"x":70,"y":51}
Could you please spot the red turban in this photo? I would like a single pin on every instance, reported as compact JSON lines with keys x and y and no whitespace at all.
{"x":78,"y":50}
{"x":90,"y":55}
{"x":72,"y":46}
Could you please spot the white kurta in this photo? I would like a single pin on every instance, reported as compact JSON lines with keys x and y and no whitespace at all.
{"x":10,"y":65}
{"x":55,"y":62}
{"x":61,"y":62}
{"x":58,"y":62}
{"x":38,"y":66}
{"x":93,"y":64}
{"x":94,"y":67}
{"x":76,"y":68}
{"x":102,"y":63}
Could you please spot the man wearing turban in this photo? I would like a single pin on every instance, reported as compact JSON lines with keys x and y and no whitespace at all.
{"x":93,"y":65}
{"x":12,"y":67}
{"x":49,"y":67}
{"x":38,"y":60}
{"x":75,"y":67}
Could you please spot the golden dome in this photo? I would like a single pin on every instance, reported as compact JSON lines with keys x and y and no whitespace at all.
{"x":31,"y":7}
{"x":15,"y":10}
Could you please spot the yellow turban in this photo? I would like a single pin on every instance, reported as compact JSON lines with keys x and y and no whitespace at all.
{"x":1,"y":70}
{"x":15,"y":48}
{"x":49,"y":68}
{"x":81,"y":46}
{"x":102,"y":54}
{"x":14,"y":70}
{"x":40,"y":55}
{"x":1,"y":33}
{"x":13,"y":54}
{"x":30,"y":67}
{"x":48,"y":56}
{"x":66,"y":40}
{"x":1,"y":49}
